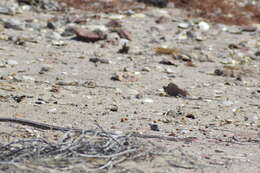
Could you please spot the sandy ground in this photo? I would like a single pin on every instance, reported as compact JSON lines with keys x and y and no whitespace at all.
{"x":224,"y":122}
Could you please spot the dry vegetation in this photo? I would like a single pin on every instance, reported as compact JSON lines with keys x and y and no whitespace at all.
{"x":221,"y":11}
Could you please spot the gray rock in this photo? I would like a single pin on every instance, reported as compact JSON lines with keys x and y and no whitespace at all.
{"x":12,"y":62}
{"x":257,"y":53}
{"x":13,"y":24}
{"x":53,"y":36}
{"x":184,"y":25}
{"x":6,"y":10}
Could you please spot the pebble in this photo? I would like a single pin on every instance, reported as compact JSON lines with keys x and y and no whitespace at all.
{"x":101,"y":28}
{"x":252,"y":118}
{"x":184,"y":25}
{"x":116,"y":17}
{"x":28,"y":78}
{"x":147,"y":100}
{"x":154,"y":127}
{"x":7,"y":10}
{"x":13,"y":24}
{"x":146,"y":69}
{"x":52,"y":110}
{"x":169,"y":71}
{"x":99,"y":60}
{"x":12,"y":62}
{"x":53,"y":35}
{"x":138,"y":15}
{"x":131,"y":91}
{"x":203,"y":26}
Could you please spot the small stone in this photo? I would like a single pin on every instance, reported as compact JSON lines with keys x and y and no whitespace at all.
{"x":203,"y":26}
{"x":252,"y":118}
{"x":99,"y":60}
{"x":7,"y":10}
{"x":94,"y":28}
{"x":167,"y":62}
{"x":147,"y":100}
{"x":58,"y":43}
{"x":68,"y":31}
{"x":123,"y":33}
{"x":53,"y":36}
{"x":138,"y":15}
{"x":131,"y":91}
{"x":184,"y":25}
{"x":162,"y":20}
{"x":169,"y":71}
{"x":191,"y":116}
{"x":124,"y":50}
{"x":116,"y":17}
{"x":13,"y":24}
{"x":113,"y":108}
{"x":234,"y":30}
{"x":248,"y":28}
{"x":257,"y":53}
{"x":154,"y":127}
{"x":12,"y":62}
{"x":28,"y":78}
{"x":53,"y":110}
{"x":173,"y":90}
{"x":127,"y":77}
{"x":146,"y":69}
{"x":88,"y":36}
{"x":44,"y":69}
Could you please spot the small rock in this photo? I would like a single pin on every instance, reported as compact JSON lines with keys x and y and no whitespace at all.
{"x":53,"y":35}
{"x":94,"y":28}
{"x":7,"y":10}
{"x":184,"y":25}
{"x":146,"y":69}
{"x":113,"y":108}
{"x":13,"y":24}
{"x":162,"y":20}
{"x":114,"y":24}
{"x":44,"y":69}
{"x":124,"y":50}
{"x":257,"y":53}
{"x":157,"y":3}
{"x":173,"y":90}
{"x":127,"y":77}
{"x":252,"y":118}
{"x":123,"y":33}
{"x":131,"y":91}
{"x":88,"y":36}
{"x":138,"y":15}
{"x":147,"y":100}
{"x":154,"y":127}
{"x":169,"y":71}
{"x":248,"y":28}
{"x":116,"y":17}
{"x":203,"y":26}
{"x":234,"y":30}
{"x":167,"y":62}
{"x":18,"y":99}
{"x":28,"y":78}
{"x":99,"y":60}
{"x":69,"y":31}
{"x":53,"y":110}
{"x":191,"y":116}
{"x":12,"y":62}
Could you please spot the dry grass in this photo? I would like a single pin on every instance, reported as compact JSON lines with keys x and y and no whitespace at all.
{"x":220,"y":11}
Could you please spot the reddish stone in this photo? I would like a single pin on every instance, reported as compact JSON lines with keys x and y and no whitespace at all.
{"x":88,"y":36}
